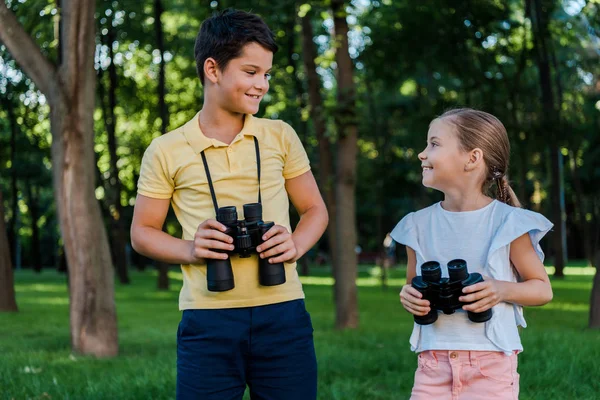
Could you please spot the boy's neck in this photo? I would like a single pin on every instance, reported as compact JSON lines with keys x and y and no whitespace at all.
{"x":220,"y":124}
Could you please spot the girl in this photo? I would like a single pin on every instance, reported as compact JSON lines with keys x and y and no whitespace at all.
{"x":467,"y":153}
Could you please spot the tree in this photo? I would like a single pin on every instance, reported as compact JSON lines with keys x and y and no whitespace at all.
{"x":163,"y":268}
{"x":595,"y":295}
{"x":7,"y":289}
{"x":318,"y":120}
{"x":345,"y":274}
{"x":69,"y":89}
{"x":539,"y":11}
{"x":7,"y":103}
{"x":114,"y":185}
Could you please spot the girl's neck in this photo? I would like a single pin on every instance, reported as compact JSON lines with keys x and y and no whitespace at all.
{"x":218,"y":123}
{"x":459,"y":202}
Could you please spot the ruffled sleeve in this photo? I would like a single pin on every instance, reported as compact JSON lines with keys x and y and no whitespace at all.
{"x":405,"y":233}
{"x":517,"y":223}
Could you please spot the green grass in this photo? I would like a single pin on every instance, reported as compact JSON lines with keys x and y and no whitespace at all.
{"x":374,"y":362}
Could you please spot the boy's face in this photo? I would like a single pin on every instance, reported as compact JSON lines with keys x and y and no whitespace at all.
{"x":245,"y":80}
{"x":443,"y":161}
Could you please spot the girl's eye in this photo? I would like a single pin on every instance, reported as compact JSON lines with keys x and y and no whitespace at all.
{"x":433,"y":144}
{"x":268,"y":77}
{"x":251,"y":72}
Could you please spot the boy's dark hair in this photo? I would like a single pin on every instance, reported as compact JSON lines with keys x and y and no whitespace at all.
{"x":223,"y":36}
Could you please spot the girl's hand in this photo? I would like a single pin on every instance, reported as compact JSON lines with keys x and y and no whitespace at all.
{"x":483,"y":295}
{"x":278,"y":242}
{"x":412,"y":301}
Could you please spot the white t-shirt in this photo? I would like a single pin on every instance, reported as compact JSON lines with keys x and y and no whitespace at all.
{"x":482,"y":238}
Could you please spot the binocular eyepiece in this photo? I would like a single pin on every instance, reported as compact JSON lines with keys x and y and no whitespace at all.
{"x":247,"y":235}
{"x":443,"y":293}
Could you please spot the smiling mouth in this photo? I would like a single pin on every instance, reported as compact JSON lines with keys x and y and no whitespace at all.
{"x":253,"y":96}
{"x":427,"y":168}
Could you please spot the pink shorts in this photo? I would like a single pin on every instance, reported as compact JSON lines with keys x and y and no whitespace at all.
{"x":466,"y":375}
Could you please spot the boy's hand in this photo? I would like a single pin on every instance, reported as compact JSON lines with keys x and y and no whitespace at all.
{"x":483,"y":295}
{"x":210,"y":236}
{"x":413,"y":302}
{"x":278,"y":242}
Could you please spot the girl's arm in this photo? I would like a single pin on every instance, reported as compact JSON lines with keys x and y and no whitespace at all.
{"x":411,"y":265}
{"x":411,"y":298}
{"x":534,"y":290}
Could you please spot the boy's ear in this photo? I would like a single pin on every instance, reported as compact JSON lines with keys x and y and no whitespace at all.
{"x":475,"y":159}
{"x":211,"y":70}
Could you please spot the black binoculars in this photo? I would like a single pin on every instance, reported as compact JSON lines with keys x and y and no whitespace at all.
{"x":247,"y":235}
{"x":443,"y":293}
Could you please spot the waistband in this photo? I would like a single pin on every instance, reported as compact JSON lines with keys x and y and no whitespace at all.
{"x":462,"y":356}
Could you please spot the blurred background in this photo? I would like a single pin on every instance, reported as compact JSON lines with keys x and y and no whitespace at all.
{"x":360,"y":82}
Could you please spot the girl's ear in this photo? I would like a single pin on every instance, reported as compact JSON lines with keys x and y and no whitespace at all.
{"x":211,"y":70}
{"x":475,"y":159}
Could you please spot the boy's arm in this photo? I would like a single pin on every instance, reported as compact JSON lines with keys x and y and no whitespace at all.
{"x":148,"y":238}
{"x":306,"y":198}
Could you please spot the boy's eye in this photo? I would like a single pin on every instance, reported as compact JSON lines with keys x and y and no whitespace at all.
{"x":433,"y":144}
{"x":267,"y":76}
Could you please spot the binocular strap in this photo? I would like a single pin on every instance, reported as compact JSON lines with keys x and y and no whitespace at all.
{"x":210,"y":184}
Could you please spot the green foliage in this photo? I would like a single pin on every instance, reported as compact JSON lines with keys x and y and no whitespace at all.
{"x":412,"y":61}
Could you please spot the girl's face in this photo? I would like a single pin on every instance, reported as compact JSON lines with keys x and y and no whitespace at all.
{"x":443,"y":161}
{"x":245,"y":80}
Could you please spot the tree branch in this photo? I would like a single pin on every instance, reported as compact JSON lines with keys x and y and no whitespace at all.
{"x":78,"y":37}
{"x":28,"y":54}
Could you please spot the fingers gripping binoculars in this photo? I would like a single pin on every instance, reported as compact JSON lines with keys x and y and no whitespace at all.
{"x":443,"y":293}
{"x":247,"y":235}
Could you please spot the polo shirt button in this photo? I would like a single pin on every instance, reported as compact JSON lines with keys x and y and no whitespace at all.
{"x":453,"y":355}
{"x":229,"y":150}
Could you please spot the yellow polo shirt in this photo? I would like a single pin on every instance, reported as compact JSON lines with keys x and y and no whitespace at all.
{"x":172,"y":168}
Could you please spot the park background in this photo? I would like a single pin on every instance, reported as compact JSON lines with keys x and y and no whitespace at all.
{"x":86,"y":85}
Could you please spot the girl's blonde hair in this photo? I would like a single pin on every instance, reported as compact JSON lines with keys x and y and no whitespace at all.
{"x":478,"y":129}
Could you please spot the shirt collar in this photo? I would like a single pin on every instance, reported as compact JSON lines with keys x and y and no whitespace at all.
{"x":199,"y":142}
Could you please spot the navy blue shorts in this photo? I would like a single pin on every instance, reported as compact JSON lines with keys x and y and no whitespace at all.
{"x":269,"y":348}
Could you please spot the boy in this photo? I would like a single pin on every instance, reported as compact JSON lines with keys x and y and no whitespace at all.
{"x":254,"y":335}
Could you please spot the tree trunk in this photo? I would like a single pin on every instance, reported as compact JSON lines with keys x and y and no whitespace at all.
{"x":558,"y":211}
{"x":595,"y":296}
{"x":522,"y":152}
{"x":14,"y":193}
{"x":138,"y":260}
{"x":163,"y":268}
{"x":70,"y":93}
{"x":346,"y":270}
{"x":162,"y":105}
{"x":588,"y":239}
{"x":325,"y":167}
{"x":292,"y":58}
{"x":299,"y":123}
{"x":539,"y":12}
{"x":118,"y":236}
{"x":35,"y":231}
{"x":7,"y":285}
